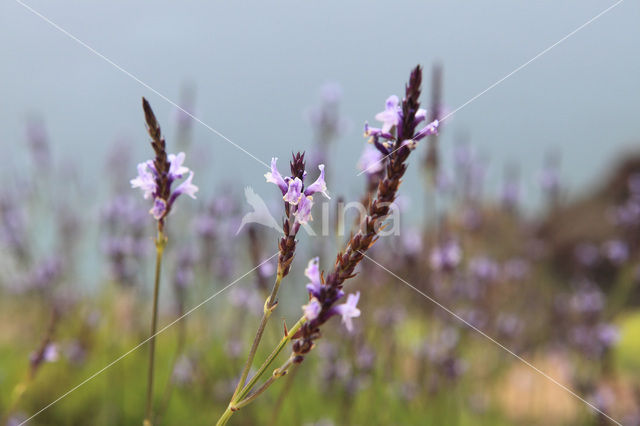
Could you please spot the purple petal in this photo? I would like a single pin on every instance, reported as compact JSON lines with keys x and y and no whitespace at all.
{"x":274,"y":176}
{"x":319,"y":185}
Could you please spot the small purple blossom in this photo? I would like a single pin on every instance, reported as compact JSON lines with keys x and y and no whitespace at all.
{"x":370,"y":161}
{"x":294,"y":191}
{"x":313,"y":273}
{"x":447,"y":256}
{"x":616,"y":251}
{"x":483,"y":268}
{"x":159,"y":208}
{"x":312,"y":309}
{"x":391,"y":118}
{"x":428,"y":130}
{"x":186,"y":187}
{"x":303,"y":212}
{"x":147,"y":181}
{"x":586,"y":254}
{"x":391,"y":114}
{"x":275,"y":177}
{"x":295,"y":194}
{"x":319,"y":185}
{"x":348,"y":310}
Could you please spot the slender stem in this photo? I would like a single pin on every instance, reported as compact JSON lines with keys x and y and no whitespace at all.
{"x":265,"y":365}
{"x":160,"y":243}
{"x":283,"y":394}
{"x":225,"y":416}
{"x":269,"y":305}
{"x":241,"y":393}
{"x":279,"y":372}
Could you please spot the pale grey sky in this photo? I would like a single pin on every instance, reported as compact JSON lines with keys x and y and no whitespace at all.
{"x":257,"y":66}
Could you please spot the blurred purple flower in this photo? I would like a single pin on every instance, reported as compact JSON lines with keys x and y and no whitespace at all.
{"x":616,"y":251}
{"x":391,"y":114}
{"x":446,"y":256}
{"x":587,"y":254}
{"x":312,"y":309}
{"x":483,"y":268}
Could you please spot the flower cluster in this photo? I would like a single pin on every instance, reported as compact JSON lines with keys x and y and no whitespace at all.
{"x":147,"y":181}
{"x":295,"y":194}
{"x":401,"y":120}
{"x":393,"y":127}
{"x":156,"y":176}
{"x":316,"y":287}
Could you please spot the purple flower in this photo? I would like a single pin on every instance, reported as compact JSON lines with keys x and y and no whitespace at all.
{"x":483,"y":268}
{"x":176,"y":169}
{"x":51,"y":353}
{"x":313,"y":273}
{"x":391,"y":118}
{"x":186,"y":187}
{"x":312,"y":309}
{"x":349,"y":310}
{"x":159,"y":208}
{"x":294,"y":191}
{"x":319,"y":185}
{"x":428,"y":130}
{"x":391,"y":114}
{"x":370,"y":161}
{"x":587,"y":254}
{"x":274,"y":176}
{"x":147,"y":181}
{"x":303,"y":212}
{"x":616,"y":251}
{"x":447,"y":256}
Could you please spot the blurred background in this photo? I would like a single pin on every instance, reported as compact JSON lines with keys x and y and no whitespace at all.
{"x":256,"y":68}
{"x":527,"y":227}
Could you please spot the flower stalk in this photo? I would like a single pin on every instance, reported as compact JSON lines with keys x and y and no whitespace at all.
{"x":155,"y":178}
{"x":161,"y":242}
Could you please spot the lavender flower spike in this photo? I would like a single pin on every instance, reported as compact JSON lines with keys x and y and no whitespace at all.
{"x":148,"y":180}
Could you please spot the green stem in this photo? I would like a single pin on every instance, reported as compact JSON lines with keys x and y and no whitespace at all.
{"x":242,"y":393}
{"x":160,"y":244}
{"x":265,"y":365}
{"x":277,"y":373}
{"x":269,"y":306}
{"x":283,"y":394}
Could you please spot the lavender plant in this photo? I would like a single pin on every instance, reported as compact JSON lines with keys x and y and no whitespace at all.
{"x":155,"y":178}
{"x":298,"y":202}
{"x":395,"y":140}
